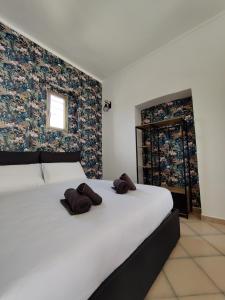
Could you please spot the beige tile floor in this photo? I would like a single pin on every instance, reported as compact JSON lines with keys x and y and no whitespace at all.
{"x":195,"y":269}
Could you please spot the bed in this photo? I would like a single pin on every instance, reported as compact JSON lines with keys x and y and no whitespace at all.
{"x":115,"y":251}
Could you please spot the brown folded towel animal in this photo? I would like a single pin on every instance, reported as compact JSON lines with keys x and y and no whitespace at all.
{"x":86,"y":190}
{"x":75,"y":203}
{"x":130,"y":183}
{"x":120,"y":186}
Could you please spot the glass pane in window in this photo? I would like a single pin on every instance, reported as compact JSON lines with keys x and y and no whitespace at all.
{"x":57,"y":112}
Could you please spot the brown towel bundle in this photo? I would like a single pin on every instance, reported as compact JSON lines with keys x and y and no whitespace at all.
{"x":85,"y":189}
{"x":80,"y":200}
{"x":130,"y":183}
{"x":75,"y":203}
{"x":120,"y":186}
{"x":123,"y":184}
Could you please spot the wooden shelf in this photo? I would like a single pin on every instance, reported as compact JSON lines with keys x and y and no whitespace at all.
{"x":175,"y":189}
{"x":174,"y":121}
{"x":145,"y":167}
{"x":148,"y":167}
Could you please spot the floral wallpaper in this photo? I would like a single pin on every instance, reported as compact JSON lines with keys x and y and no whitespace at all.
{"x":171,"y":147}
{"x":27,"y":71}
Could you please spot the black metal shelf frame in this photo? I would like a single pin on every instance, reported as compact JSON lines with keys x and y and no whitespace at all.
{"x":154,"y":131}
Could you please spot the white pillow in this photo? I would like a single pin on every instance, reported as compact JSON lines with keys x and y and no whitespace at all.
{"x":20,"y":177}
{"x":59,"y":172}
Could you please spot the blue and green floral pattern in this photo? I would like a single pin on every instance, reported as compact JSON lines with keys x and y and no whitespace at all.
{"x":27,"y":71}
{"x":171,"y":147}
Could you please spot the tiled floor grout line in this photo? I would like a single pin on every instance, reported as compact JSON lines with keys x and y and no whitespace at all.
{"x":202,"y":236}
{"x":194,"y":257}
{"x":211,"y":224}
{"x":221,"y":253}
{"x":194,"y":231}
{"x":191,"y":256}
{"x":193,"y":295}
{"x":197,"y":221}
{"x":169,"y":283}
{"x":206,"y":256}
{"x":221,"y":291}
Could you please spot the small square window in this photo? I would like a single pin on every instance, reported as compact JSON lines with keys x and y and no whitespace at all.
{"x":57,"y":113}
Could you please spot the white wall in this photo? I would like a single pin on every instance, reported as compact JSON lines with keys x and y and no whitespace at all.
{"x":196,"y":61}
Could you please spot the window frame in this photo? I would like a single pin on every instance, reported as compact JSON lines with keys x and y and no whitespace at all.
{"x":65,"y":98}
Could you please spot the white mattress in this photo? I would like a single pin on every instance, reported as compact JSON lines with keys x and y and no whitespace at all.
{"x":47,"y":254}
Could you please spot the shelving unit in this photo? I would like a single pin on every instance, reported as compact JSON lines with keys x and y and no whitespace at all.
{"x":149,"y":161}
{"x":176,"y":189}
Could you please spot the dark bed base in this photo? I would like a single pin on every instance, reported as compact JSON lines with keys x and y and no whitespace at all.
{"x":132,"y":279}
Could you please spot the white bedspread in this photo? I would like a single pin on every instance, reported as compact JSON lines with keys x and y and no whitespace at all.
{"x":46,"y":254}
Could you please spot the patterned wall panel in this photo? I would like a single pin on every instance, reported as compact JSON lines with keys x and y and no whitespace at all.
{"x":27,"y":71}
{"x":171,"y":162}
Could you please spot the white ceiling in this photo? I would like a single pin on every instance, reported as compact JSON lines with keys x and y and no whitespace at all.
{"x":104,"y":36}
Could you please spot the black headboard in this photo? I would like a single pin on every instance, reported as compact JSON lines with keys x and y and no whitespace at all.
{"x":22,"y":158}
{"x":51,"y":157}
{"x":19,"y":158}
